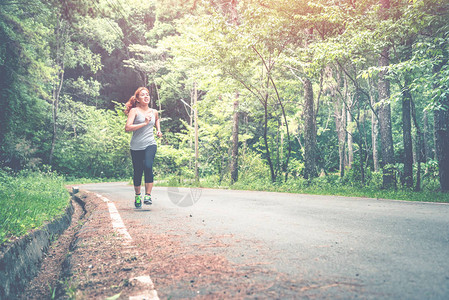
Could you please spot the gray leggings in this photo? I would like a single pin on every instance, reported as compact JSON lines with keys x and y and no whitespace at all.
{"x":143,"y":164}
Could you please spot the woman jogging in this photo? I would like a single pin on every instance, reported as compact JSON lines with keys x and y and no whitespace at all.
{"x":141,"y":121}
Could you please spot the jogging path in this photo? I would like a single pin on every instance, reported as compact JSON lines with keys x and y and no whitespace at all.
{"x":242,"y":244}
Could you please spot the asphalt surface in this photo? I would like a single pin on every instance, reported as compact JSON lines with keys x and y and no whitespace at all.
{"x":335,"y":247}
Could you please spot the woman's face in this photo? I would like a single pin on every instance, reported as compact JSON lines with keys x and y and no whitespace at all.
{"x":144,"y":97}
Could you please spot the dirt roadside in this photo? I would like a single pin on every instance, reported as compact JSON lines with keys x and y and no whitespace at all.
{"x":92,"y":261}
{"x":88,"y":260}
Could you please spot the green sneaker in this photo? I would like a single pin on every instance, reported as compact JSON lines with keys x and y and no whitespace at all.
{"x":138,"y":201}
{"x":147,"y":199}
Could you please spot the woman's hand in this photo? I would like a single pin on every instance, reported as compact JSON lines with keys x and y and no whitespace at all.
{"x":159,"y":134}
{"x":148,"y":117}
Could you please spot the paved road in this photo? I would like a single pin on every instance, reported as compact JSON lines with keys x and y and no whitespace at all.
{"x":326,"y":246}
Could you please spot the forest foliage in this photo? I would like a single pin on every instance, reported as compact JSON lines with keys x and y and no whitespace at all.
{"x":353,"y":91}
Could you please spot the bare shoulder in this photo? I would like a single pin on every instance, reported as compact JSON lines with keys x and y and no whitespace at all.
{"x":133,"y":111}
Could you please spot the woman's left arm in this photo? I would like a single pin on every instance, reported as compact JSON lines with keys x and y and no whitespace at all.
{"x":157,"y":123}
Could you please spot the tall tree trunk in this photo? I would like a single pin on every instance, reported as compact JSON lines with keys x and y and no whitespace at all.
{"x":268,"y":65}
{"x":441,"y":119}
{"x":55,"y":110}
{"x":289,"y":144}
{"x":415,"y":148}
{"x":347,"y":101}
{"x":340,"y":125}
{"x":407,"y":134}
{"x":374,"y":130}
{"x":265,"y":138}
{"x":235,"y":127}
{"x":407,"y":123}
{"x":340,"y":119}
{"x":60,"y":36}
{"x":428,"y":154}
{"x":441,"y":127}
{"x":419,"y":147}
{"x":235,"y":143}
{"x":386,"y":136}
{"x":350,"y":142}
{"x":195,"y":119}
{"x":309,"y":132}
{"x":278,"y":148}
{"x":374,"y":140}
{"x":362,"y":149}
{"x":192,"y":137}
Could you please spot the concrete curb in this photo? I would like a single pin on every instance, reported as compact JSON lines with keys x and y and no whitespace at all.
{"x":66,"y":264}
{"x":21,"y":259}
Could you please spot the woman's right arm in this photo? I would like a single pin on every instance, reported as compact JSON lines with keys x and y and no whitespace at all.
{"x":130,"y":126}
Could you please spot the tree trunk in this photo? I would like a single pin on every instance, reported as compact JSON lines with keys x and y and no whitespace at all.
{"x":441,"y":127}
{"x":386,"y":137}
{"x":54,"y":127}
{"x":235,"y":127}
{"x":362,"y":149}
{"x":374,"y":140}
{"x":350,"y":142}
{"x":60,"y":64}
{"x":374,"y":131}
{"x":415,"y":148}
{"x":340,"y":125}
{"x":195,"y":112}
{"x":441,"y":119}
{"x":419,"y":147}
{"x":235,"y":143}
{"x":407,"y":134}
{"x":192,"y":137}
{"x":428,"y":154}
{"x":265,"y":138}
{"x":309,"y":132}
{"x":340,"y":120}
{"x":407,"y":123}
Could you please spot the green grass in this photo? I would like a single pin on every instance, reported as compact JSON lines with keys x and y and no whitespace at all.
{"x":367,"y":192}
{"x":29,"y":200}
{"x":74,"y":181}
{"x":328,"y":185}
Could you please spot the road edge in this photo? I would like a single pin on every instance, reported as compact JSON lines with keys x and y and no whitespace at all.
{"x":21,"y":260}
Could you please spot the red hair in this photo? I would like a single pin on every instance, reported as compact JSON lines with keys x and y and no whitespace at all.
{"x":132,"y":102}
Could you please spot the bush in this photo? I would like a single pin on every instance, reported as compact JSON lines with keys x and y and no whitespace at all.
{"x":170,"y":161}
{"x":252,"y":168}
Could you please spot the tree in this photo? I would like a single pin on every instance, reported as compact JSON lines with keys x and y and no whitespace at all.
{"x":340,"y":120}
{"x":24,"y":77}
{"x":386,"y":136}
{"x":309,"y":131}
{"x":424,"y":71}
{"x":66,"y":53}
{"x":407,"y":120}
{"x":235,"y":143}
{"x":219,"y":44}
{"x":441,"y":116}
